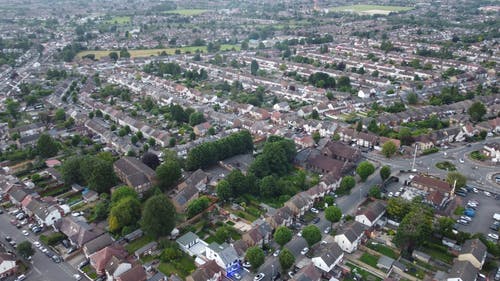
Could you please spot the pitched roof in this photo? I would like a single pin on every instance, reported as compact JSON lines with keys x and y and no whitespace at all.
{"x":432,"y":183}
{"x":373,"y":210}
{"x":136,"y":273}
{"x":308,"y":273}
{"x":331,"y":252}
{"x":463,"y":270}
{"x":100,"y":259}
{"x":97,"y":244}
{"x":185,"y":195}
{"x":353,"y":231}
{"x":187,"y":238}
{"x":474,"y":247}
{"x":79,"y":232}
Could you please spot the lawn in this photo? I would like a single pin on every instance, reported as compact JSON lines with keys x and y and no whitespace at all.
{"x":371,"y":9}
{"x":119,"y":20}
{"x":186,"y":12}
{"x":156,"y":52}
{"x":134,"y":245}
{"x":445,"y":165}
{"x":438,"y":252}
{"x":477,"y":155}
{"x":414,"y":270}
{"x":365,"y":274}
{"x":182,"y":267}
{"x":369,"y":259}
{"x":384,"y":250}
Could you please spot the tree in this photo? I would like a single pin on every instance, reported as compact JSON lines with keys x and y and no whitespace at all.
{"x":311,"y":234}
{"x":346,"y":184}
{"x":415,"y":228}
{"x":124,"y":53}
{"x":126,"y":212}
{"x":397,"y":208}
{"x":46,"y":146}
{"x":98,"y":173}
{"x":134,"y":139}
{"x":365,"y":169}
{"x":151,"y":160}
{"x":404,"y":136}
{"x":70,"y":170}
{"x":158,"y":216}
{"x":12,"y":107}
{"x":255,"y":256}
{"x":113,"y":56}
{"x":121,"y":193}
{"x":196,"y":118}
{"x":197,"y":206}
{"x":444,"y":226}
{"x":333,"y":214}
{"x":168,"y":174}
{"x":254,"y":67}
{"x":224,"y":191}
{"x":385,"y":172}
{"x":389,"y":148}
{"x":316,"y":137}
{"x":60,"y":115}
{"x":412,"y":98}
{"x":286,"y":259}
{"x":460,"y":179}
{"x":374,"y":192}
{"x":476,"y":111}
{"x":359,"y":126}
{"x":282,"y":235}
{"x":25,"y":249}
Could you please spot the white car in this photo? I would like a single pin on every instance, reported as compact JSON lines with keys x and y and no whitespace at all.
{"x":20,"y":277}
{"x":76,"y":214}
{"x":25,"y":232}
{"x":390,"y":194}
{"x":461,"y":160}
{"x":314,"y":210}
{"x":487,"y":193}
{"x":323,"y":242}
{"x":276,"y":253}
{"x":475,"y":190}
{"x":327,"y":230}
{"x":37,"y":244}
{"x":397,"y":194}
{"x":465,"y":218}
{"x":237,"y":276}
{"x":259,"y":277}
{"x":247,"y":264}
{"x":77,"y":276}
{"x":493,"y":236}
{"x":304,"y":251}
{"x":299,"y":234}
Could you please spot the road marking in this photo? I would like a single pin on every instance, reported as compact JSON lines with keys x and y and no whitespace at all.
{"x":37,"y":270}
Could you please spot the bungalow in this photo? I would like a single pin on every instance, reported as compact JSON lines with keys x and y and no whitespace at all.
{"x":439,"y":192}
{"x":225,"y":256}
{"x":8,"y":265}
{"x":370,"y":214}
{"x":324,"y":164}
{"x":331,"y":255}
{"x":462,"y":271}
{"x":473,"y":251}
{"x":350,"y":237}
{"x":341,"y":151}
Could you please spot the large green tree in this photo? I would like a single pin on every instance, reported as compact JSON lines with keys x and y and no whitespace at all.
{"x":365,"y":169}
{"x":25,"y":249}
{"x":47,"y":146}
{"x":282,"y":235}
{"x":312,"y":234}
{"x":98,"y":173}
{"x":168,"y":174}
{"x":415,"y":228}
{"x":476,"y":111}
{"x":389,"y":149}
{"x":224,"y":191}
{"x":121,"y":193}
{"x":397,"y":208}
{"x":346,"y":184}
{"x":286,"y":259}
{"x":158,"y":216}
{"x":385,"y":172}
{"x":126,"y":212}
{"x":197,"y":206}
{"x":255,"y":256}
{"x":333,"y":214}
{"x":453,"y":177}
{"x":254,"y":67}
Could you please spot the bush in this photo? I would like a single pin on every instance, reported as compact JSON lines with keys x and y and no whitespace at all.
{"x":430,"y":151}
{"x":476,"y":155}
{"x":52,"y":239}
{"x":445,"y":165}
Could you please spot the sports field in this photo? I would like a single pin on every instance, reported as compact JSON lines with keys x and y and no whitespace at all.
{"x":155,"y":52}
{"x":119,"y":20}
{"x":186,"y":12}
{"x":371,"y":9}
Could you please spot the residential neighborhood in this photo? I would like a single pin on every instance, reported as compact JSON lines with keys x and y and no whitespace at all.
{"x":249,"y":140}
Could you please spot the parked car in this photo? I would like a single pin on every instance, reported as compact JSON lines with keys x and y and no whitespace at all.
{"x":276,"y":253}
{"x":487,"y":193}
{"x":497,"y":275}
{"x":259,"y":277}
{"x":8,"y":238}
{"x":327,"y":230}
{"x":304,"y":251}
{"x":237,"y":276}
{"x":316,"y":220}
{"x":314,"y":210}
{"x":83,"y":263}
{"x":461,"y":194}
{"x":56,"y":258}
{"x":493,"y":236}
{"x":20,"y":277}
{"x":247,"y":264}
{"x":464,"y":222}
{"x":465,"y":218}
{"x":25,"y":232}
{"x":77,"y":276}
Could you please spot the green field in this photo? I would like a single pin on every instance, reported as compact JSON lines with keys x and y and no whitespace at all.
{"x":371,"y":9}
{"x":119,"y":20}
{"x":155,"y":52}
{"x":186,"y":12}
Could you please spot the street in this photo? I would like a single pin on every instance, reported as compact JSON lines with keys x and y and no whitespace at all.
{"x":43,"y":268}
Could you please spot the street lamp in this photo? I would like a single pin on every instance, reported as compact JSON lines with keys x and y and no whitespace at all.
{"x":272,"y":266}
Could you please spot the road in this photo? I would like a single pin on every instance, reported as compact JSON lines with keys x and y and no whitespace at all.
{"x":349,"y":204}
{"x":475,"y":172}
{"x":43,"y":268}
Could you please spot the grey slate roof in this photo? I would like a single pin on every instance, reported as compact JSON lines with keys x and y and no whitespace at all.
{"x":463,"y":270}
{"x":474,"y":247}
{"x":353,"y":231}
{"x":187,"y":238}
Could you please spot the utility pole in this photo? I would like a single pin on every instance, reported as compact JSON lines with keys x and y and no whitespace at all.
{"x":414,"y":158}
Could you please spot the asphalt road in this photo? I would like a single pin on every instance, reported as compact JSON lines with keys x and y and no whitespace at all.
{"x":484,"y":214}
{"x":349,"y":204}
{"x":42,"y":267}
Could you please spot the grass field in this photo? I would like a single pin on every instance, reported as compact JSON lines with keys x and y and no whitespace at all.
{"x":371,"y":9}
{"x":186,"y":12}
{"x":119,"y":20}
{"x":155,"y":52}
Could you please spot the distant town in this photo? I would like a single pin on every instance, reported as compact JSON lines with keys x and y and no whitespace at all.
{"x":249,"y":140}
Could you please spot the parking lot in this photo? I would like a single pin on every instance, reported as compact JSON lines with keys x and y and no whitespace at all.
{"x":483,"y":218}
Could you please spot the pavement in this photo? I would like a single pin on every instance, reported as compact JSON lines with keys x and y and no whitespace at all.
{"x":42,"y":268}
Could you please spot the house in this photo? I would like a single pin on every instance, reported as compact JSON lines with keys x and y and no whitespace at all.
{"x":136,"y":273}
{"x":350,"y":237}
{"x":183,"y":197}
{"x":134,"y":173}
{"x":370,"y":214}
{"x":100,"y":259}
{"x":225,"y":256}
{"x":462,"y":271}
{"x":97,"y":244}
{"x":324,"y":164}
{"x":341,"y":151}
{"x":191,"y":244}
{"x":17,"y":194}
{"x":259,"y":235}
{"x":438,"y":192}
{"x":198,"y":179}
{"x":116,"y":267}
{"x":300,"y":203}
{"x":366,"y":140}
{"x":282,"y":217}
{"x":45,"y":215}
{"x":308,"y":273}
{"x":77,"y":231}
{"x":28,"y":130}
{"x":492,"y":150}
{"x":202,"y":129}
{"x":331,"y":255}
{"x":8,"y":265}
{"x":473,"y":251}
{"x":208,"y":271}
{"x":282,"y":106}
